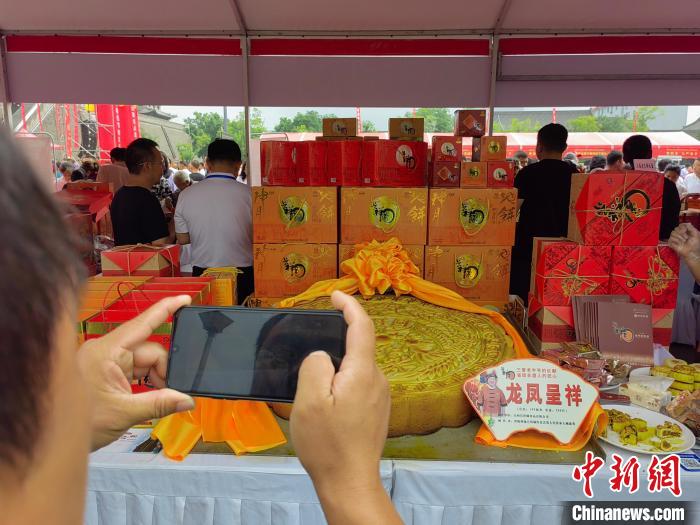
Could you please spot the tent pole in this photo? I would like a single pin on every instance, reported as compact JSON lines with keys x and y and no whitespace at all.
{"x":5,"y":86}
{"x":492,"y":85}
{"x":246,"y":99}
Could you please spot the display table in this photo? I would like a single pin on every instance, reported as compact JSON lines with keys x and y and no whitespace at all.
{"x":147,"y":489}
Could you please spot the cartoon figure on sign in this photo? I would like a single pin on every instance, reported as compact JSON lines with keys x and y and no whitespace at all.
{"x":491,"y":399}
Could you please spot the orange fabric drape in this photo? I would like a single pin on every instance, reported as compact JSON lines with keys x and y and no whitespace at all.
{"x":378,"y":267}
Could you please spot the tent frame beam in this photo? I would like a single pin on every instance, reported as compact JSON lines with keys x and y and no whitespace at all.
{"x":5,"y":86}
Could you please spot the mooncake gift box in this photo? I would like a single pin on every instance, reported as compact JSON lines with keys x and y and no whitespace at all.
{"x":283,"y":270}
{"x":445,"y":175}
{"x":550,"y":325}
{"x":472,"y":216}
{"x":470,"y":122}
{"x":616,"y":208}
{"x":446,"y":149}
{"x":311,"y":163}
{"x":339,"y":127}
{"x":662,"y":325}
{"x":477,"y":273}
{"x":563,"y":269}
{"x":394,"y":163}
{"x":415,"y":252}
{"x":489,"y":148}
{"x":278,"y":163}
{"x":343,"y":162}
{"x":500,"y":174}
{"x":383,"y":213}
{"x":647,"y":274}
{"x":142,"y":259}
{"x":405,"y":128}
{"x":290,"y":214}
{"x":473,"y":175}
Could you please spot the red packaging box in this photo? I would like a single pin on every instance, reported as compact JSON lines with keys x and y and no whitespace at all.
{"x":447,"y":149}
{"x":616,"y":208}
{"x":343,"y":162}
{"x":500,"y":174}
{"x":550,"y":325}
{"x":445,"y":175}
{"x":311,"y":165}
{"x":473,"y":175}
{"x":648,"y":274}
{"x":662,"y":319}
{"x":563,"y":269}
{"x":489,"y":148}
{"x":470,"y":122}
{"x":394,"y":163}
{"x":142,"y":259}
{"x":278,"y":163}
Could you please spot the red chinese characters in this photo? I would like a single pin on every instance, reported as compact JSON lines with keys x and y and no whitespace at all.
{"x":648,"y":274}
{"x":587,"y":472}
{"x":665,"y":474}
{"x":625,"y":474}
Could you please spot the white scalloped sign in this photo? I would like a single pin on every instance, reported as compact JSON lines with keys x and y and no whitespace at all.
{"x":530,"y":394}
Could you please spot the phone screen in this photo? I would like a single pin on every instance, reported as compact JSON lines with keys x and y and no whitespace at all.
{"x":249,"y":353}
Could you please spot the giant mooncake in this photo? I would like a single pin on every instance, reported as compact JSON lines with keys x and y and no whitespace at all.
{"x":426,"y":353}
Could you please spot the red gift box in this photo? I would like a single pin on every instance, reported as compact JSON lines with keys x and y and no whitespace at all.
{"x":662,"y":319}
{"x":394,"y":163}
{"x":142,"y":259}
{"x":279,"y":163}
{"x":564,"y":269}
{"x":648,"y":274}
{"x":445,"y":175}
{"x":616,"y":208}
{"x":311,"y":165}
{"x":447,"y":149}
{"x":500,"y":174}
{"x":550,"y":325}
{"x":343,"y":162}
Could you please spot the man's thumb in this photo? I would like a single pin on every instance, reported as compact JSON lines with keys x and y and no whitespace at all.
{"x":158,"y":403}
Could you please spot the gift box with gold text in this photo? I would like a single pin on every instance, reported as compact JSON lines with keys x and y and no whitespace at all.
{"x":648,"y":274}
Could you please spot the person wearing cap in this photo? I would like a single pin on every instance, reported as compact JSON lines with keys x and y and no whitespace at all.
{"x":215,"y":217}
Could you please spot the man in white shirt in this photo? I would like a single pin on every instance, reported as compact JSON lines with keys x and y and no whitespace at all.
{"x":215,"y":217}
{"x":115,"y":173}
{"x":692,"y":181}
{"x":673,"y":173}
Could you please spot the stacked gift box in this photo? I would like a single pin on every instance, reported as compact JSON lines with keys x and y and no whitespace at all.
{"x":612,"y":249}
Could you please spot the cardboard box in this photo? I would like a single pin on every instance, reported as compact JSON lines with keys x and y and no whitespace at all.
{"x":394,"y":163}
{"x":477,"y":273}
{"x":311,"y":165}
{"x":104,"y":322}
{"x":445,"y":175}
{"x":550,"y":325}
{"x":339,"y":127}
{"x":562,"y":269}
{"x":278,"y":163}
{"x":223,"y":286}
{"x":263,"y":302}
{"x":616,"y":208}
{"x":446,"y":149}
{"x":406,"y":128}
{"x":415,"y":252}
{"x":473,"y":175}
{"x":343,"y":163}
{"x":289,"y":214}
{"x":488,"y":148}
{"x":500,"y":174}
{"x":142,"y":259}
{"x":662,"y":319}
{"x":382,"y":213}
{"x":472,"y":216}
{"x":200,"y":292}
{"x":470,"y":122}
{"x":648,"y":274}
{"x":289,"y":269}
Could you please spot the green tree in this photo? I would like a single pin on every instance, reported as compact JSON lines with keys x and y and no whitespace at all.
{"x":311,"y":121}
{"x":517,"y":126}
{"x":236,"y":127}
{"x":368,"y":126}
{"x":436,"y":120}
{"x":185,"y":151}
{"x":203,"y":128}
{"x":584,"y":123}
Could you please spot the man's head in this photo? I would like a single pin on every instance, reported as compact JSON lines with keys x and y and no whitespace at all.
{"x":117,"y":155}
{"x":551,"y":141}
{"x":195,"y":164}
{"x":66,"y":167}
{"x":597,"y":162}
{"x":224,"y":156}
{"x":45,"y":421}
{"x":181,"y":180}
{"x":672,"y":172}
{"x":614,"y":161}
{"x":636,"y":147}
{"x":696,"y":167}
{"x":662,"y":163}
{"x":144,"y":159}
{"x":521,"y":158}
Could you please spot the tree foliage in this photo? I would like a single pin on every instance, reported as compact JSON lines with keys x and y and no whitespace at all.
{"x":584,"y":123}
{"x":311,"y":121}
{"x":517,"y":125}
{"x":368,"y":126}
{"x":236,"y":127}
{"x":185,"y":151}
{"x":436,"y":120}
{"x":203,"y":128}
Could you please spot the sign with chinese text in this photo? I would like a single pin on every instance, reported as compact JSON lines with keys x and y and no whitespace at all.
{"x":530,"y":394}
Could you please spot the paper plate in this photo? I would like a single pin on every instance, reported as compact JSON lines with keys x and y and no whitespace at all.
{"x":613,"y":385}
{"x":644,"y":371}
{"x":653,"y":419}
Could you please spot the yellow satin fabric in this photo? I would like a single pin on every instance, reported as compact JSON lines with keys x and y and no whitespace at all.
{"x":378,"y":267}
{"x":246,"y":426}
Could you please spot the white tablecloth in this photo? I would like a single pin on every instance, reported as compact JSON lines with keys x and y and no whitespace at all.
{"x":205,"y":489}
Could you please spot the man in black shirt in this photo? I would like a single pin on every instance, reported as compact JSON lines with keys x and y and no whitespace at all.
{"x":543,"y":191}
{"x":137,"y":216}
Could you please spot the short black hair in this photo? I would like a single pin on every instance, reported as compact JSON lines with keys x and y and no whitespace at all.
{"x":118,"y":154}
{"x":598,"y":161}
{"x":637,"y":147}
{"x":520,"y":154}
{"x":41,"y":274}
{"x":553,"y":137}
{"x":138,"y":153}
{"x":225,"y":150}
{"x":662,"y":163}
{"x":613,"y":157}
{"x":673,"y":167}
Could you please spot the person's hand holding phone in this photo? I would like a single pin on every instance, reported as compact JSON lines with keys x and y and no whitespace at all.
{"x":110,"y":363}
{"x":339,"y":424}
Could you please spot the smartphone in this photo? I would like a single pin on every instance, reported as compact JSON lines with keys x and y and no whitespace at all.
{"x":248,"y":353}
